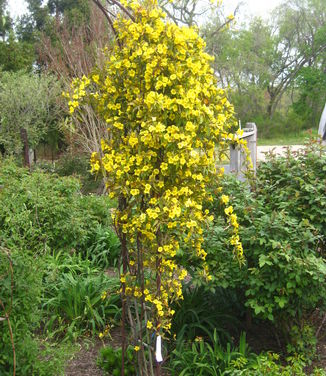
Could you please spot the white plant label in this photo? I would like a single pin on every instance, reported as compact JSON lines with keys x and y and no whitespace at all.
{"x":158,"y":353}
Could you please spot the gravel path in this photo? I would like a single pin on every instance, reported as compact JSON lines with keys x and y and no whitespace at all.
{"x":280,"y":150}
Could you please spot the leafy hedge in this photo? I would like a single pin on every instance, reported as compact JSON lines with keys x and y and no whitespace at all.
{"x":282,"y":228}
{"x":53,"y":236}
{"x":42,"y":212}
{"x":296,"y":184}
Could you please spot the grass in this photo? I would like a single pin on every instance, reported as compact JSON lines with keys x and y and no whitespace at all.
{"x":298,"y":138}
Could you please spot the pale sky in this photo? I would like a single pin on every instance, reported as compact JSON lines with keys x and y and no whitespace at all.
{"x":250,"y":7}
{"x":17,"y":7}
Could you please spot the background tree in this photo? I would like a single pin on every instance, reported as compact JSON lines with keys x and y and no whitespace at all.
{"x":5,"y":20}
{"x":310,"y":83}
{"x":262,"y":63}
{"x":242,"y":62}
{"x":16,"y":55}
{"x":300,"y":39}
{"x":13,"y":55}
{"x":187,"y":12}
{"x":29,"y":109}
{"x":69,"y":37}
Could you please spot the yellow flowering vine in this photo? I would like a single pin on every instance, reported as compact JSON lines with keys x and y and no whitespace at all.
{"x":167,"y":121}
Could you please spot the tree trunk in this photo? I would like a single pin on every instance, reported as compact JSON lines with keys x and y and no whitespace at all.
{"x":24,"y":138}
{"x":270,"y":106}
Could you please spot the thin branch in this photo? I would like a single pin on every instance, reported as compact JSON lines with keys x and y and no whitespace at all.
{"x":124,"y":9}
{"x":105,"y":12}
{"x":229,"y":20}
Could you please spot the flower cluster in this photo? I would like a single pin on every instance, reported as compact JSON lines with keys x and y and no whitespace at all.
{"x":166,"y":121}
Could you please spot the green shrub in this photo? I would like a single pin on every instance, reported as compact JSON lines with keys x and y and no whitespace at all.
{"x":24,"y":311}
{"x":33,"y":357}
{"x":284,"y":275}
{"x":110,"y":360}
{"x":270,"y":364}
{"x":209,"y":358}
{"x":296,"y":184}
{"x":41,"y":212}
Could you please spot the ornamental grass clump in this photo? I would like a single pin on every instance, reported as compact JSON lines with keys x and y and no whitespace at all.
{"x":167,"y":120}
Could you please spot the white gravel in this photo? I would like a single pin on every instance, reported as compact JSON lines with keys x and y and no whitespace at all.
{"x":279,"y":150}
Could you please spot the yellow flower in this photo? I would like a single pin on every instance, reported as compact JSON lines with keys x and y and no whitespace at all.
{"x":134,"y":192}
{"x":190,"y":126}
{"x":164,"y":166}
{"x":228,"y":210}
{"x":96,"y":78}
{"x":133,"y":141}
{"x":136,"y":348}
{"x":118,"y":125}
{"x":225,"y":199}
{"x":104,"y":295}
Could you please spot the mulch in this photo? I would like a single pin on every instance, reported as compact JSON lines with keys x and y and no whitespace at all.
{"x":84,"y":362}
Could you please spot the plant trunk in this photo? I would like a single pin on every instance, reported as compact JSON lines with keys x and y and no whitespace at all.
{"x":24,"y":138}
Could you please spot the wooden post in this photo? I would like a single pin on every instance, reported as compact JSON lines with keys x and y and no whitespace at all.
{"x":252,"y":144}
{"x":238,"y":157}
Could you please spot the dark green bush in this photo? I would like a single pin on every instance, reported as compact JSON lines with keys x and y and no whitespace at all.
{"x":42,"y":212}
{"x":282,"y":231}
{"x":110,"y":360}
{"x":33,"y":357}
{"x":24,"y":311}
{"x":296,"y":184}
{"x":286,"y":278}
{"x":78,"y":166}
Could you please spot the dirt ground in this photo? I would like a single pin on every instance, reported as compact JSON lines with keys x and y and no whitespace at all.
{"x":84,"y":361}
